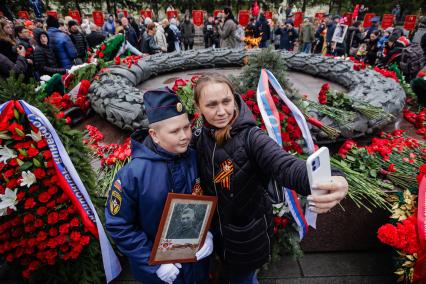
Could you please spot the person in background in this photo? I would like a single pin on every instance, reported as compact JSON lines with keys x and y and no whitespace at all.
{"x":62,"y":27}
{"x":170,"y":35}
{"x":361,"y":13}
{"x":374,"y":27}
{"x":129,"y":32}
{"x":109,"y":26}
{"x":149,"y":45}
{"x":384,"y":38}
{"x":208,"y":32}
{"x":354,"y":38}
{"x":44,"y":58}
{"x":239,"y":36}
{"x":264,"y":30}
{"x":188,"y":33}
{"x":396,"y":11}
{"x":251,"y":30}
{"x":226,"y":29}
{"x":20,"y":66}
{"x":7,"y":40}
{"x":160,"y":37}
{"x":372,"y":48}
{"x":320,"y":35}
{"x":288,"y":35}
{"x":307,"y":35}
{"x":95,"y":37}
{"x":331,"y":27}
{"x":61,"y":44}
{"x":177,"y":34}
{"x":86,"y":26}
{"x":135,"y":26}
{"x":38,"y":26}
{"x":23,"y":36}
{"x":78,"y":39}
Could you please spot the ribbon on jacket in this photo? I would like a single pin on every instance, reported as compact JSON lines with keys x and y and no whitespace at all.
{"x":272,"y":122}
{"x":73,"y":187}
{"x":420,"y":267}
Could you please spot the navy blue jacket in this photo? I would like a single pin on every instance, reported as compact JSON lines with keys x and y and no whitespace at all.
{"x":330,"y":32}
{"x":143,"y":185}
{"x":63,"y":47}
{"x":288,"y":37}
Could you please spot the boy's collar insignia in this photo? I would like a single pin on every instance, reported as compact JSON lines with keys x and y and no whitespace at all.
{"x":179,"y":107}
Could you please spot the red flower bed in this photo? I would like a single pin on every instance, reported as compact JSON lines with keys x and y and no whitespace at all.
{"x":39,"y":224}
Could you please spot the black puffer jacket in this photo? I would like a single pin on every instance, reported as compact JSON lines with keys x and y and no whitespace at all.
{"x":80,"y":43}
{"x":44,"y":59}
{"x":243,"y":223}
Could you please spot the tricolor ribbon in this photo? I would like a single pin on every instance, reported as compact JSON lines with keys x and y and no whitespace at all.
{"x":420,"y":267}
{"x":272,"y":122}
{"x":72,"y":185}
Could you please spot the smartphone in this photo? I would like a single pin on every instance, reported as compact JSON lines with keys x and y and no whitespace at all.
{"x":319,"y":169}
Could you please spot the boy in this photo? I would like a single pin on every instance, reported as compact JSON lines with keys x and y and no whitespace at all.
{"x":161,"y":163}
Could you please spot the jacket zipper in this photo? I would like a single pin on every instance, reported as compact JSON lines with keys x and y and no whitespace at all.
{"x":217,"y":206}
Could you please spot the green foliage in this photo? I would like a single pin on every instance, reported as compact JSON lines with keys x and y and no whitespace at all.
{"x":266,"y":58}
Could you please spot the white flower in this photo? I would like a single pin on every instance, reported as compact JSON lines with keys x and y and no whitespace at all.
{"x":45,"y":78}
{"x":8,"y":200}
{"x":6,"y":154}
{"x":35,"y":136}
{"x":28,"y":178}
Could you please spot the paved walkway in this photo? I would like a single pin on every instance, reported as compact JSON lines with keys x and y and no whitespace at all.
{"x":321,"y":268}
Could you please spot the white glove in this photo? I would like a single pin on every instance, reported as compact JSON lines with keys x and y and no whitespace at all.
{"x":168,"y":272}
{"x":207,"y":247}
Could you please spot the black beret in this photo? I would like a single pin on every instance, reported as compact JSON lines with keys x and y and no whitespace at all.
{"x":161,"y":104}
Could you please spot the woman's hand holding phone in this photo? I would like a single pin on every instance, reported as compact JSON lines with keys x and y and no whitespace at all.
{"x":337,"y":189}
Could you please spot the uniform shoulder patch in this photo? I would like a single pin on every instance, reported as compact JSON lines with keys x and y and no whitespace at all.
{"x":115,"y":199}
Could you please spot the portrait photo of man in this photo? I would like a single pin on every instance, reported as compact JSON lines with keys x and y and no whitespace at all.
{"x":185,"y":222}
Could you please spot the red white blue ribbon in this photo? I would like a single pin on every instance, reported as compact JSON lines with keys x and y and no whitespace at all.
{"x":272,"y":122}
{"x":73,"y":186}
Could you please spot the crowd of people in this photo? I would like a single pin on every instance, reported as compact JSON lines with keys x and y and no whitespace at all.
{"x":48,"y":46}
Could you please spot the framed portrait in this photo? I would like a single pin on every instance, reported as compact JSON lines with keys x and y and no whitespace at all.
{"x":183,"y":228}
{"x":340,"y":33}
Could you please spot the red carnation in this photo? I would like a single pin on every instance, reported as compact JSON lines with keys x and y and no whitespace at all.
{"x":51,"y":204}
{"x":52,"y":218}
{"x":38,"y":223}
{"x":39,"y":173}
{"x":64,"y":229}
{"x":20,"y":195}
{"x":41,"y":210}
{"x":29,"y":203}
{"x":16,"y":129}
{"x":44,"y":197}
{"x":28,"y":218}
{"x":101,"y":55}
{"x":85,"y":240}
{"x":7,"y":174}
{"x":52,"y":190}
{"x":51,"y":257}
{"x":41,"y":144}
{"x":75,"y":222}
{"x":41,"y":236}
{"x":75,"y":236}
{"x":250,"y":94}
{"x":103,"y":46}
{"x":32,"y":152}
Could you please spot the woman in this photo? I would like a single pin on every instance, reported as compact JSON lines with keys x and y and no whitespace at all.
{"x":227,"y":29}
{"x":7,"y":40}
{"x":44,"y":57}
{"x":236,"y":160}
{"x":373,"y":48}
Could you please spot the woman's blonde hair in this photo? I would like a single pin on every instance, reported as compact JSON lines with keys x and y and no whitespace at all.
{"x":3,"y":35}
{"x":222,"y":134}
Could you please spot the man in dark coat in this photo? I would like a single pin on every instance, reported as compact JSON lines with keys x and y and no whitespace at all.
{"x":208,"y":32}
{"x":61,"y":44}
{"x":170,"y":35}
{"x":78,"y":39}
{"x":264,"y":29}
{"x":288,"y":35}
{"x":44,"y":58}
{"x":129,"y":32}
{"x":161,"y":163}
{"x":96,"y":37}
